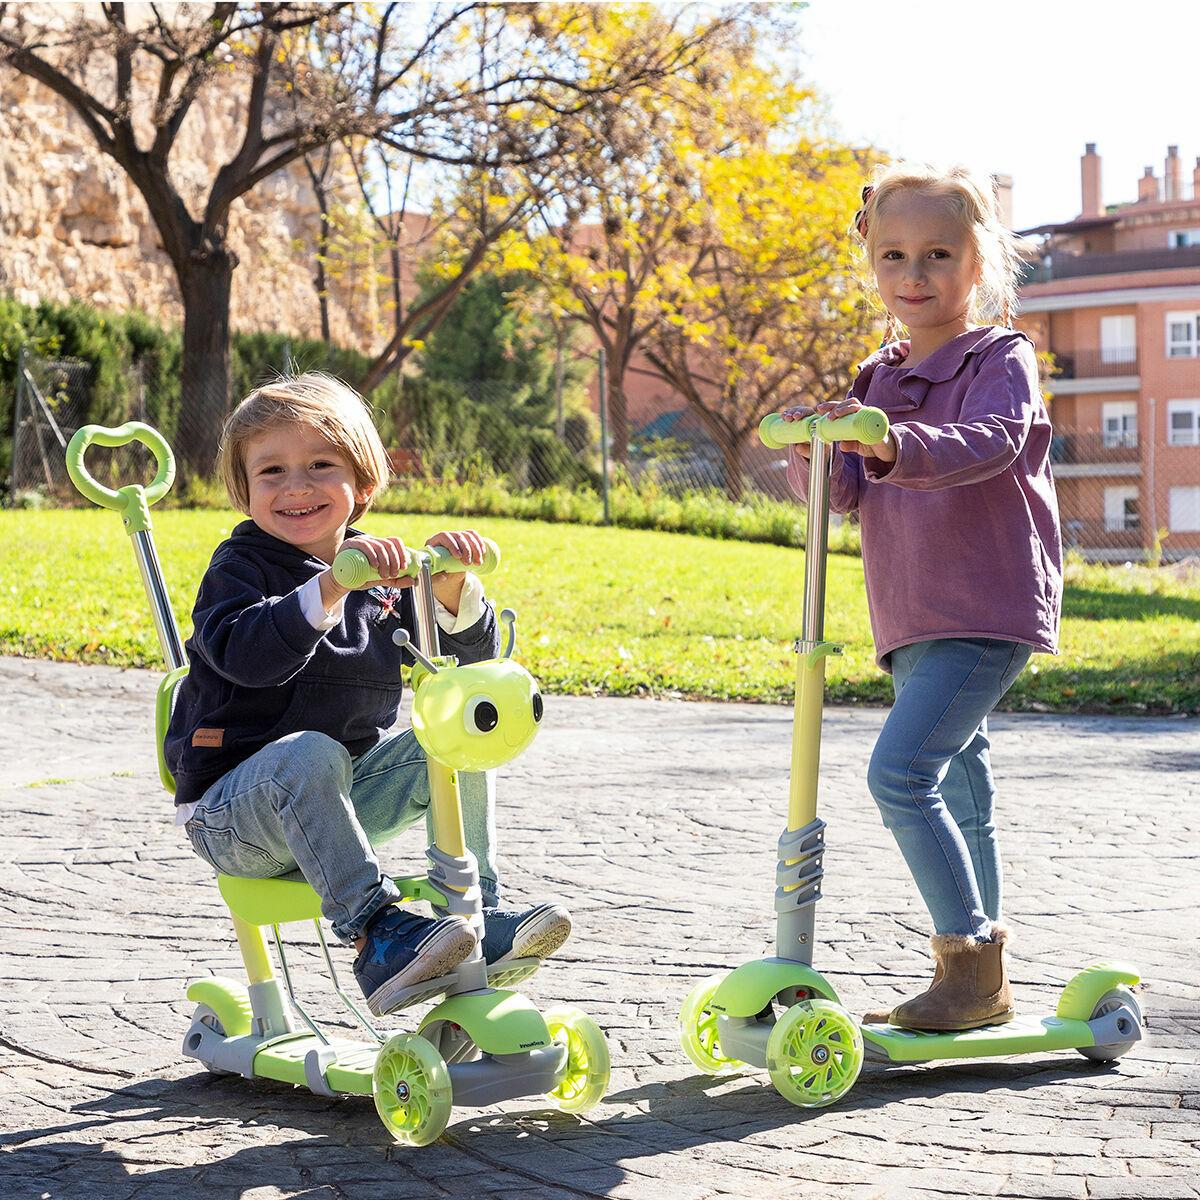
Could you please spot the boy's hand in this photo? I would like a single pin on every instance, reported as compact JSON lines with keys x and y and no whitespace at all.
{"x":389,"y":556}
{"x":465,"y":545}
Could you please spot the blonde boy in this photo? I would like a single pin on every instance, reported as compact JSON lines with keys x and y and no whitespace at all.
{"x":281,"y":742}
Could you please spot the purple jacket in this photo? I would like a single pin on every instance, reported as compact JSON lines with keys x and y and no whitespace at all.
{"x":960,"y":534}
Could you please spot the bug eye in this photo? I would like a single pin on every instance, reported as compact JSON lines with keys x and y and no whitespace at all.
{"x":481,"y":715}
{"x":538,"y":707}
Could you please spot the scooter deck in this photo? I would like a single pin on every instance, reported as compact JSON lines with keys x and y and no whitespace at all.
{"x":1021,"y":1035}
{"x":349,"y":1073}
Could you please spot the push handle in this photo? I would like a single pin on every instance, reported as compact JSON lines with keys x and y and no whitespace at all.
{"x":352,"y":568}
{"x":868,"y":425}
{"x":133,"y":500}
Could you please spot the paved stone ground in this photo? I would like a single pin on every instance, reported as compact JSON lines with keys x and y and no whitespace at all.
{"x":656,"y":822}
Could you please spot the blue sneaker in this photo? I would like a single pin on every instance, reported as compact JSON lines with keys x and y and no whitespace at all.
{"x":403,"y":949}
{"x":535,"y":933}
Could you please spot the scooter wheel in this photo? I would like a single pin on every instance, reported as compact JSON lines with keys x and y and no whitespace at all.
{"x":412,"y":1090}
{"x":585,"y":1077}
{"x":814,"y":1053}
{"x":698,"y":1030}
{"x":1119,"y":997}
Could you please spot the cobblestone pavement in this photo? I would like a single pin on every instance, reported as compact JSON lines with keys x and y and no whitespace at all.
{"x":656,"y":822}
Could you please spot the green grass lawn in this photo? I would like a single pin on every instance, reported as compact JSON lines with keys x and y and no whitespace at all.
{"x":617,"y":611}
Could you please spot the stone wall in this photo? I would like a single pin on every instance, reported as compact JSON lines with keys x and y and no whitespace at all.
{"x":72,"y":226}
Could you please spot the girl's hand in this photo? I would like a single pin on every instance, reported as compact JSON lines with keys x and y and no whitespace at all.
{"x":834,"y":409}
{"x":467,"y":546}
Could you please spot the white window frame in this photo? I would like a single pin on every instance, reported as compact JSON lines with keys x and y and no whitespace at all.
{"x":1192,"y":408}
{"x":1118,"y":338}
{"x":1188,"y":347}
{"x":1177,"y":239}
{"x":1184,"y":508}
{"x":1117,"y":517}
{"x":1119,"y":423}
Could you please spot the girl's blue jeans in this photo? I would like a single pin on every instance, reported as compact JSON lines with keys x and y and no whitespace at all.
{"x":303,"y":803}
{"x":931,"y":775}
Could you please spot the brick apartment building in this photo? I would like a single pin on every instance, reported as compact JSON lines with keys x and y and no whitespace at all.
{"x":1115,"y":296}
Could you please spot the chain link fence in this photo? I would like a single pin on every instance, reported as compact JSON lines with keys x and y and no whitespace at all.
{"x":1120,"y":498}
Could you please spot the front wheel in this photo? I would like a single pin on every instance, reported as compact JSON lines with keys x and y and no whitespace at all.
{"x":814,"y":1053}
{"x":585,"y":1074}
{"x":412,"y":1090}
{"x":1119,"y":997}
{"x":698,"y":1030}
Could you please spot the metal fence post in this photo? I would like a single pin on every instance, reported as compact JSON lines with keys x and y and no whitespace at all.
{"x":604,"y":427}
{"x":16,"y":437}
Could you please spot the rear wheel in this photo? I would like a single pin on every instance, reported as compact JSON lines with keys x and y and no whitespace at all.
{"x":1111,"y":1001}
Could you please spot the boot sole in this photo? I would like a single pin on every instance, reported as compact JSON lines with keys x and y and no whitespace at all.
{"x":438,"y":954}
{"x":541,"y":935}
{"x":960,"y":1027}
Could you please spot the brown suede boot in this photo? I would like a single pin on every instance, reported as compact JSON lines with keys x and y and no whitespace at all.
{"x":883,"y":1016}
{"x":970,"y":986}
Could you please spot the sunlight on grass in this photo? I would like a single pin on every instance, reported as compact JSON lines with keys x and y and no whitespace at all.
{"x":616,"y":611}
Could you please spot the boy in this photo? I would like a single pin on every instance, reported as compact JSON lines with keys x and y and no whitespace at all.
{"x":279,"y":740}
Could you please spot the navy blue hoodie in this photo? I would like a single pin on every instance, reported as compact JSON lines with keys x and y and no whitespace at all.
{"x":259,"y":671}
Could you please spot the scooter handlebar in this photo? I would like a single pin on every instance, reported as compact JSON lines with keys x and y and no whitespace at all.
{"x":868,"y":426}
{"x":131,"y":431}
{"x":352,"y":568}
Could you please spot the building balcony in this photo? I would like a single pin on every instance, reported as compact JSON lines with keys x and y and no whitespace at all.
{"x":1096,"y":364}
{"x":1074,"y":266}
{"x":1095,"y":454}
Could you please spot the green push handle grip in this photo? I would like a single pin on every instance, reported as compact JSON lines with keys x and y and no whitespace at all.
{"x":868,"y":426}
{"x":351,"y":568}
{"x":132,"y":501}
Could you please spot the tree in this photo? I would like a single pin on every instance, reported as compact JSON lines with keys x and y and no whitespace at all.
{"x":768,"y":308}
{"x":305,"y":75}
{"x":623,"y":205}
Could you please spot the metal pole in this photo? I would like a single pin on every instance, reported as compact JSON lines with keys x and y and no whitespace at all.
{"x":1150,"y":481}
{"x":604,"y":427}
{"x":16,"y":442}
{"x":559,"y":423}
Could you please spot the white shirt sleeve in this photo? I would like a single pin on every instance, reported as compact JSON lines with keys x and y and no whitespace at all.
{"x":313,"y":607}
{"x":470,"y":606}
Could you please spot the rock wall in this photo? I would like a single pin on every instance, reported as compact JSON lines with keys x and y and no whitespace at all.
{"x":73,"y":227}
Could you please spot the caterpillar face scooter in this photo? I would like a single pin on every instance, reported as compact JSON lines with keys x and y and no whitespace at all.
{"x":481,"y":1042}
{"x":779,"y":1012}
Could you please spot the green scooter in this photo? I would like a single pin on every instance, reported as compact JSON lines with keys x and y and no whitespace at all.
{"x":482,"y":1042}
{"x":779,"y":1012}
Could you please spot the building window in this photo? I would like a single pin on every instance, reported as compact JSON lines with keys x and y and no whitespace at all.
{"x":1120,"y":423}
{"x":1183,"y":422}
{"x":1118,"y":339}
{"x":1120,"y":509}
{"x":1183,"y":334}
{"x":1185,"y":510}
{"x":1181,"y":238}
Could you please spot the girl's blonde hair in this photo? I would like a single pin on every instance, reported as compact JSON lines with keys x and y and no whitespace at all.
{"x":997,"y":249}
{"x":334,"y":409}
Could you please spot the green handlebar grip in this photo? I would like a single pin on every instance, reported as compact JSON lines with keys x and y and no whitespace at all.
{"x":868,"y":426}
{"x":352,"y":569}
{"x":131,"y":431}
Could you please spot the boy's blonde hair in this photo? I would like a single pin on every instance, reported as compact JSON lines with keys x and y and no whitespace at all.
{"x":334,"y":409}
{"x":997,"y":249}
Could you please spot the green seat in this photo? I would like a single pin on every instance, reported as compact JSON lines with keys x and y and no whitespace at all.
{"x":279,"y":901}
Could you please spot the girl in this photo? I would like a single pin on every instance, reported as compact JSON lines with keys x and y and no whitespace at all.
{"x":961,"y":553}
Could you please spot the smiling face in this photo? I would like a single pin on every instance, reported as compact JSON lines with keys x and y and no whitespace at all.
{"x":925,"y":265}
{"x":301,"y":488}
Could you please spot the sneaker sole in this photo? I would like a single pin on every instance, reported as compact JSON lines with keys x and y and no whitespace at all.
{"x":438,"y":954}
{"x":541,"y":934}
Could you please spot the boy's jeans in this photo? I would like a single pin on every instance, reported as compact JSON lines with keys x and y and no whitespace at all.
{"x":931,"y":776}
{"x":303,"y":802}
